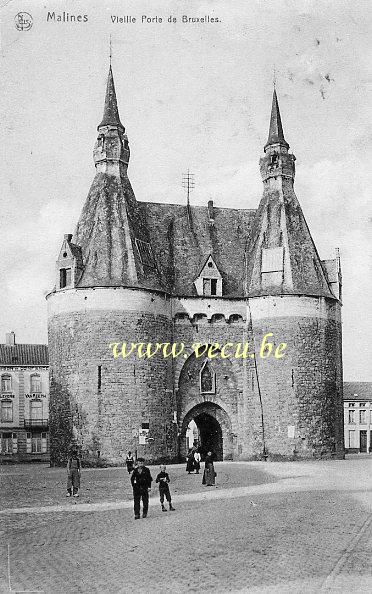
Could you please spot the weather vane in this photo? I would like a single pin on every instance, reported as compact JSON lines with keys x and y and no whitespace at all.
{"x":274,"y":77}
{"x":110,"y":49}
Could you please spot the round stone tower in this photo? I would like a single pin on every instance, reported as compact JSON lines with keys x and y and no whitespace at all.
{"x":108,"y":292}
{"x":295,"y":296}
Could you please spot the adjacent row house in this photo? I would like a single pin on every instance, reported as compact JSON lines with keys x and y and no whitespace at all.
{"x":358,"y":417}
{"x":24,"y":401}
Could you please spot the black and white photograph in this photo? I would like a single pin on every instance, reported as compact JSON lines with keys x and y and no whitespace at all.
{"x":186,"y":281}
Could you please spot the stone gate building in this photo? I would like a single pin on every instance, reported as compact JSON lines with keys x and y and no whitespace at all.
{"x":138,"y":271}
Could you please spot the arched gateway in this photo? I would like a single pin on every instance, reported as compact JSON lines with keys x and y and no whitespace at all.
{"x":214,"y":430}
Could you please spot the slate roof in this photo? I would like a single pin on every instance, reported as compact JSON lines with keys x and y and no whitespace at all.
{"x":358,"y":391}
{"x":114,"y":228}
{"x":24,"y":354}
{"x":182,"y":238}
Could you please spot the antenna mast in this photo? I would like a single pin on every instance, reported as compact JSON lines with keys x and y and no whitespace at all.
{"x":188,"y":184}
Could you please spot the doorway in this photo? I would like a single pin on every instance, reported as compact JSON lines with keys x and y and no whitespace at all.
{"x":209,"y":435}
{"x":363,"y":441}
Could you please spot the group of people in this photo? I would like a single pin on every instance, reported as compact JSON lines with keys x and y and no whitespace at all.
{"x":193,"y":463}
{"x":141,"y":479}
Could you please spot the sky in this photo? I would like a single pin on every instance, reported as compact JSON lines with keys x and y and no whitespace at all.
{"x":192,"y":96}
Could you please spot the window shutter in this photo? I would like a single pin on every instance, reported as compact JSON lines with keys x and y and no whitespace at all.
{"x":28,"y":443}
{"x":43,"y":443}
{"x":14,"y":443}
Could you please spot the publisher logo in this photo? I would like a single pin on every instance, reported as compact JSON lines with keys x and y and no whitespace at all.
{"x":23,"y":21}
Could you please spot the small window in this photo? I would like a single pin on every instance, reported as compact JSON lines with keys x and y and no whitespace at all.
{"x":6,"y":383}
{"x":207,"y":379}
{"x":7,"y":411}
{"x":272,"y":259}
{"x":351,"y":404}
{"x":35,"y":383}
{"x":210,"y":286}
{"x":363,"y":417}
{"x":36,"y":410}
{"x":351,"y":416}
{"x":145,"y":425}
{"x":64,"y":277}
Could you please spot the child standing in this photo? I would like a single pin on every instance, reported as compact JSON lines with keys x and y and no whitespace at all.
{"x":163,"y":480}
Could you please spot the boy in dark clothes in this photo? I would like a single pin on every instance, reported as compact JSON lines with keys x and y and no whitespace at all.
{"x":141,"y":482}
{"x":163,"y":480}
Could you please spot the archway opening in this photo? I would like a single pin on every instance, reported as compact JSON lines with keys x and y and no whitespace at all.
{"x":209,"y":435}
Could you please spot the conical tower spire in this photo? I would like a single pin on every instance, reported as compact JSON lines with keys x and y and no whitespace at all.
{"x":111,"y":113}
{"x":276,"y":134}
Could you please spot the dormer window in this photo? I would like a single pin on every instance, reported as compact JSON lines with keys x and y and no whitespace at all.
{"x":209,"y":281}
{"x":64,"y":277}
{"x":210,"y":286}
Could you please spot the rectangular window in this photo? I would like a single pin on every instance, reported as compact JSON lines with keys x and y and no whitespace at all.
{"x":363,"y":417}
{"x":351,"y":404}
{"x":6,"y":411}
{"x":64,"y":277}
{"x":35,"y":384}
{"x":351,"y":416}
{"x":351,"y":439}
{"x":14,"y":443}
{"x":6,"y":383}
{"x":99,"y":379}
{"x":272,"y":260}
{"x":213,"y":286}
{"x":28,"y":443}
{"x":36,"y":410}
{"x":36,"y":443}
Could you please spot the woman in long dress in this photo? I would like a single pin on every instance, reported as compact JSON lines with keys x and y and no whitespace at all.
{"x":190,"y":462}
{"x":209,"y":476}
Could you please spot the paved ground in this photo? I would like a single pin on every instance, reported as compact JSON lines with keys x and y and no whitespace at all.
{"x":295,"y":527}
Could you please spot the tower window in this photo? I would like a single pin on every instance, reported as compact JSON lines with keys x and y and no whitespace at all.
{"x":64,"y":277}
{"x":99,"y":379}
{"x":207,"y":379}
{"x":210,"y":286}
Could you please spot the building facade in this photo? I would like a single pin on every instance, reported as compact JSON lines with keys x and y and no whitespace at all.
{"x":144,"y":272}
{"x":358,"y":417}
{"x":24,"y":402}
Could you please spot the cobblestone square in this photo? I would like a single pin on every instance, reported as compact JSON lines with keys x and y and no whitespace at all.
{"x":278,"y":527}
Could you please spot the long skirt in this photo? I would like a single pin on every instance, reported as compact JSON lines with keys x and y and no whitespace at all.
{"x":209,"y":476}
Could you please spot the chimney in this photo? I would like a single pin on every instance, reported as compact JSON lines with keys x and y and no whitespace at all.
{"x":210,"y":211}
{"x":10,"y":339}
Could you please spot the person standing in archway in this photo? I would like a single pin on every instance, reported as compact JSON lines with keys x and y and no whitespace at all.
{"x":197,"y":459}
{"x":190,"y":462}
{"x":209,"y":475}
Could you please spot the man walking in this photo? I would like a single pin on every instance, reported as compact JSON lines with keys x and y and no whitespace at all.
{"x":141,"y":480}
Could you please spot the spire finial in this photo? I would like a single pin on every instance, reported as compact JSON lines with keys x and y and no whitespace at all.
{"x":276,"y":135}
{"x":110,"y":49}
{"x":111,"y":112}
{"x":274,"y":77}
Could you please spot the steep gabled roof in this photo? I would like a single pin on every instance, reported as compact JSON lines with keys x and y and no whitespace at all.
{"x":24,"y":354}
{"x":276,"y":134}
